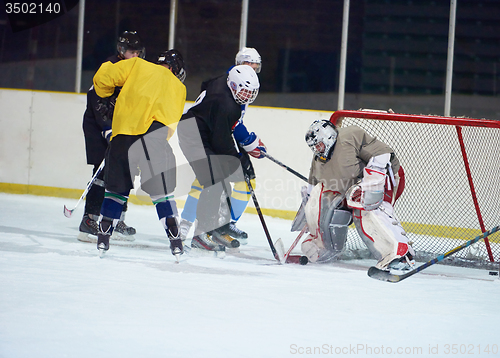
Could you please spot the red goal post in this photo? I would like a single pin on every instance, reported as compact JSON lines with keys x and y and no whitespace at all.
{"x":452,"y":171}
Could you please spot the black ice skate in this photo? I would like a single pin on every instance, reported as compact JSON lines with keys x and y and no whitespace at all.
{"x":236,"y":233}
{"x":204,"y":242}
{"x":123,"y":232}
{"x":172,"y":230}
{"x":222,"y":236}
{"x":105,"y":231}
{"x":88,"y":227}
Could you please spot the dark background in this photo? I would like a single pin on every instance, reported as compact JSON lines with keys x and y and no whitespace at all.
{"x":396,"y":47}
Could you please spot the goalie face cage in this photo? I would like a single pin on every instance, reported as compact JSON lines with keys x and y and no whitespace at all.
{"x":452,"y":186}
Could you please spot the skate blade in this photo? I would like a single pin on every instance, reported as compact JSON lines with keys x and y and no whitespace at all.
{"x":102,"y":249}
{"x":197,"y":252}
{"x":85,"y":237}
{"x":120,"y":237}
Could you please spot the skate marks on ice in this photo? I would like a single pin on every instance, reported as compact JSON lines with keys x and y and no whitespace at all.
{"x":154,"y":252}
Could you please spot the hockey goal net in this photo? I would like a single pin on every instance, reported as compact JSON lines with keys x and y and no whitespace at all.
{"x":452,"y":189}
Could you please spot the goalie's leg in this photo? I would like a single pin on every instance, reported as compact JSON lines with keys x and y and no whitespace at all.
{"x":384,"y":236}
{"x":328,"y":224}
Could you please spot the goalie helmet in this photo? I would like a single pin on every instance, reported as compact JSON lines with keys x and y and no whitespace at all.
{"x":129,"y":40}
{"x":250,"y":55}
{"x":243,"y":83}
{"x":174,"y":60}
{"x":321,"y":138}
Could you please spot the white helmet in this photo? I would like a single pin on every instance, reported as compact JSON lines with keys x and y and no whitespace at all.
{"x":321,"y":138}
{"x":243,"y":83}
{"x":250,"y":55}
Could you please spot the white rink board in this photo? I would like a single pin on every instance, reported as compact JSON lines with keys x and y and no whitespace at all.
{"x":42,"y":143}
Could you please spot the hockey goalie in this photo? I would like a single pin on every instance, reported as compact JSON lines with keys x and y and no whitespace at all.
{"x":354,"y":178}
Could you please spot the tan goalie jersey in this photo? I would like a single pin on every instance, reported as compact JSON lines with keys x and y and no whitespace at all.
{"x":353,"y":150}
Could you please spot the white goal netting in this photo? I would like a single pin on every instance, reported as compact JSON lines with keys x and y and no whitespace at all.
{"x":452,"y":189}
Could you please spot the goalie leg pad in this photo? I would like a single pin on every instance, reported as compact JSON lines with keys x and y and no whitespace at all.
{"x":312,"y":247}
{"x":334,"y":227}
{"x":327,"y":225}
{"x":383,"y":234}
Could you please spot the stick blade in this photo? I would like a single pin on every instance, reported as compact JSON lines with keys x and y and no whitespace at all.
{"x":382,"y":275}
{"x":280,"y":251}
{"x":67,"y":212}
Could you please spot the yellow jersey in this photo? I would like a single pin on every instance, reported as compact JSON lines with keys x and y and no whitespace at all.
{"x":149,"y":93}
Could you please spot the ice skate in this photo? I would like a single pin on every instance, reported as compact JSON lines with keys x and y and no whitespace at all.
{"x":184,"y":228}
{"x":221,"y":236}
{"x":204,"y":243}
{"x":402,"y":264}
{"x":102,"y":244}
{"x":88,"y":228}
{"x":176,"y":246}
{"x":105,"y":232}
{"x":123,"y":232}
{"x":236,"y":233}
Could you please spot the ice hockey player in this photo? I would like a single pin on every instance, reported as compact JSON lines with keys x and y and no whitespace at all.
{"x":146,"y":114}
{"x":207,"y":139}
{"x":97,"y":131}
{"x":350,"y":163}
{"x":249,"y":142}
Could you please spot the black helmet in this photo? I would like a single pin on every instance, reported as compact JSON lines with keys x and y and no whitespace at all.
{"x":129,"y":40}
{"x":174,"y":60}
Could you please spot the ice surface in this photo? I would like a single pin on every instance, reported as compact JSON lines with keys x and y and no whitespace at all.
{"x":59,"y":299}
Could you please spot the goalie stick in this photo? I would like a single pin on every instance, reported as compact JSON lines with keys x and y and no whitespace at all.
{"x":382,"y":275}
{"x":69,"y":212}
{"x":304,"y":229}
{"x":285,"y":166}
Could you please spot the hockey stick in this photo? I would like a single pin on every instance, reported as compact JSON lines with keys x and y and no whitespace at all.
{"x":382,"y":275}
{"x":284,"y":166}
{"x":261,"y":217}
{"x":295,"y":242}
{"x":69,"y":212}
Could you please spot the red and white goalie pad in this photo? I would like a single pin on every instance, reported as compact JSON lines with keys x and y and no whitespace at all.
{"x":316,"y":208}
{"x":383,"y":234}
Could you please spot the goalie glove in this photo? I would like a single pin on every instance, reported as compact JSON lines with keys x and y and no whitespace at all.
{"x":372,"y":189}
{"x":369,"y":193}
{"x":373,"y":182}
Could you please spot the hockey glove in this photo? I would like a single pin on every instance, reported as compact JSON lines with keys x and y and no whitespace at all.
{"x":106,"y":134}
{"x":247,"y":166}
{"x":256,"y":148}
{"x":106,"y":107}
